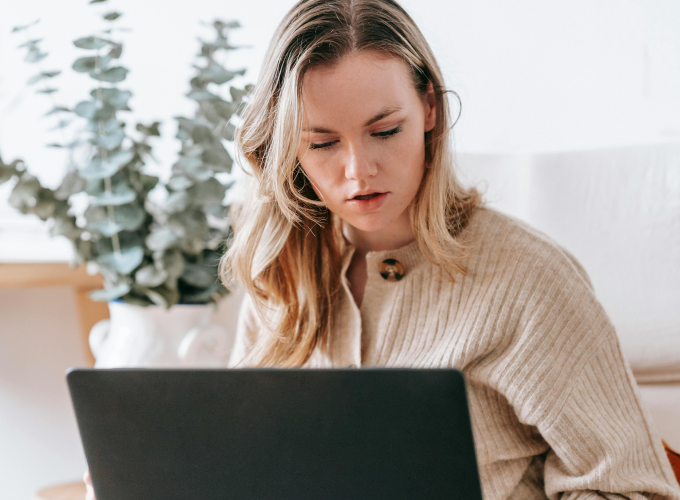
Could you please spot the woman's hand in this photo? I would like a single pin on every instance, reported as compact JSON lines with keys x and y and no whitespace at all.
{"x":88,"y":485}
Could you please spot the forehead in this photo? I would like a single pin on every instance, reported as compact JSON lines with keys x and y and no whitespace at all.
{"x":355,"y":88}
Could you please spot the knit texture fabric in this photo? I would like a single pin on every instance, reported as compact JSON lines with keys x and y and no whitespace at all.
{"x":554,"y":406}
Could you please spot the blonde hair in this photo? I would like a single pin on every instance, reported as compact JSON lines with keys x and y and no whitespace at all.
{"x":287,"y":247}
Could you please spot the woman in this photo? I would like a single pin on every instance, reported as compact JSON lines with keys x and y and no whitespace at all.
{"x":357,"y":246}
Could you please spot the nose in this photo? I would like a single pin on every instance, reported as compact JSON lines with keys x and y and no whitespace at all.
{"x":358,"y":164}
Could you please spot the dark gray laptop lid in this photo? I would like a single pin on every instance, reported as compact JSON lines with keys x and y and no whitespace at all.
{"x":276,"y":434}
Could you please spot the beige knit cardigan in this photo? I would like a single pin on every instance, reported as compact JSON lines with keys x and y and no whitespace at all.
{"x":555,"y":410}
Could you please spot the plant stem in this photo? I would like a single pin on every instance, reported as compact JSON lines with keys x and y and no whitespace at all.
{"x":110,"y":210}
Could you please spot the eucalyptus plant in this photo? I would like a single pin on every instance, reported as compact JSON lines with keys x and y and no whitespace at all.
{"x":148,"y":253}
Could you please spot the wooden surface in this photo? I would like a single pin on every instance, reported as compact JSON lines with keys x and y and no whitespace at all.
{"x":39,"y":275}
{"x":71,"y":491}
{"x":34,"y":275}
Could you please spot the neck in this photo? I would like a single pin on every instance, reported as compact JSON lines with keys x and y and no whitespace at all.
{"x":396,"y":235}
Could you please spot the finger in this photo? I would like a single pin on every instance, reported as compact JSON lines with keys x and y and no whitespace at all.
{"x":89,"y":493}
{"x":86,"y":477}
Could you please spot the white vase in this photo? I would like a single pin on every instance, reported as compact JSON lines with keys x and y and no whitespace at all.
{"x":154,"y":337}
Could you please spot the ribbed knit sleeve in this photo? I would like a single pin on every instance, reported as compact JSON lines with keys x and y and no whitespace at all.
{"x":600,"y":438}
{"x":564,"y":374}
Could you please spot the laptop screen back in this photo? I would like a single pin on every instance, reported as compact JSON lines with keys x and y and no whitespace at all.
{"x":276,"y":434}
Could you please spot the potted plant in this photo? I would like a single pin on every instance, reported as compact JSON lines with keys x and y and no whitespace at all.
{"x":158,"y":258}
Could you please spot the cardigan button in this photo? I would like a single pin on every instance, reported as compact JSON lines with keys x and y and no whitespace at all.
{"x":391,"y":270}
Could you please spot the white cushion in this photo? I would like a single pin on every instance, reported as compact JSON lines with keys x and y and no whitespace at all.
{"x":618,"y":212}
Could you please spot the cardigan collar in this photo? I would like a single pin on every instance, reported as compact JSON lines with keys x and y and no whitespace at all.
{"x":410,"y":256}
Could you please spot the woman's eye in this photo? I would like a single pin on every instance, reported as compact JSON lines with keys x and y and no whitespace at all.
{"x":323,"y":145}
{"x":388,"y":133}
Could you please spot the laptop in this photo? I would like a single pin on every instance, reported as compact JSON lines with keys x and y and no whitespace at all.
{"x":276,"y":434}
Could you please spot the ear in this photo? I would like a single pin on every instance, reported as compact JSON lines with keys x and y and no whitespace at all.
{"x":430,"y":107}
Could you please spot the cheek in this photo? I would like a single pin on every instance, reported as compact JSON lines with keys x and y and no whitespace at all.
{"x":406,"y":158}
{"x":318,"y":174}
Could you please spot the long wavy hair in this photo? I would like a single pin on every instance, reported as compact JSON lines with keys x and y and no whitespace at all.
{"x":287,"y":247}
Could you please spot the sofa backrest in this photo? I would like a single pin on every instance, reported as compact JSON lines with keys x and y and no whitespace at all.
{"x":618,"y":212}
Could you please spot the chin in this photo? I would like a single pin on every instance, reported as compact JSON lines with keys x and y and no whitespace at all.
{"x":369,"y":223}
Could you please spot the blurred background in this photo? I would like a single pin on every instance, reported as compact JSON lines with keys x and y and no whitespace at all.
{"x":557,"y":97}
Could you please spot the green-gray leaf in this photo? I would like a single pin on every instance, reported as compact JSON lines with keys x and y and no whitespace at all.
{"x":130,"y":217}
{"x":112,"y":293}
{"x":120,"y":198}
{"x":176,"y":202}
{"x":6,"y":173}
{"x":34,"y":55}
{"x":63,"y":124}
{"x":65,"y":227}
{"x":87,"y":64}
{"x":198,"y":275}
{"x":115,"y":97}
{"x":179,"y":182}
{"x":95,"y":111}
{"x":111,"y":141}
{"x":150,"y":276}
{"x":127,"y":218}
{"x":220,"y":25}
{"x":219,"y":75}
{"x":109,"y":127}
{"x":210,"y":192}
{"x":123,"y":262}
{"x":237,"y":95}
{"x":111,"y":75}
{"x":30,"y":43}
{"x":172,"y":261}
{"x":151,"y":130}
{"x":190,"y":224}
{"x":16,"y":29}
{"x":160,"y":239}
{"x":90,"y":43}
{"x":71,"y":184}
{"x":229,"y":132}
{"x":46,"y":91}
{"x":99,"y":170}
{"x":187,"y":165}
{"x":25,"y":193}
{"x":86,"y":109}
{"x":216,"y":157}
{"x":201,"y":95}
{"x":116,"y":51}
{"x":58,"y":109}
{"x":112,"y":16}
{"x":163,"y":296}
{"x":105,"y":227}
{"x":41,"y":76}
{"x":225,"y":110}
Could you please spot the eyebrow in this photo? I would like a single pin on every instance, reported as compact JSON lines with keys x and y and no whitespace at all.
{"x":384,"y":113}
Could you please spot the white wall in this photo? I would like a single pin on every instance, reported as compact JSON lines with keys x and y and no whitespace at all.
{"x":534,"y":76}
{"x":39,"y":340}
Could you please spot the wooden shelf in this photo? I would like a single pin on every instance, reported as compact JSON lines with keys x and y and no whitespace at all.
{"x":34,"y":275}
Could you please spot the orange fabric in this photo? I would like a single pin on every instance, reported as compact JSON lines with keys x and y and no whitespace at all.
{"x":674,"y":458}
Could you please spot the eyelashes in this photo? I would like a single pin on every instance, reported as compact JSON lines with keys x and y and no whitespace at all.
{"x":380,"y":135}
{"x":388,"y":133}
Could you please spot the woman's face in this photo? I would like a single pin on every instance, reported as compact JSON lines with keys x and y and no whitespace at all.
{"x":363,"y":140}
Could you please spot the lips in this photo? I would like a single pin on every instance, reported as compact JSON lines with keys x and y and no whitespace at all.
{"x":367,"y":202}
{"x":366,"y":196}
